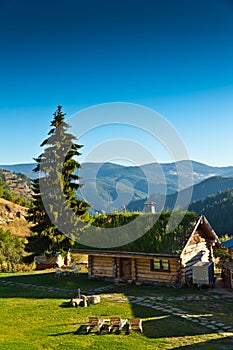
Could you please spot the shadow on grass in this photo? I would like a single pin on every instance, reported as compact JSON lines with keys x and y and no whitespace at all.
{"x":226,"y":343}
{"x":65,"y":304}
{"x":46,"y":285}
{"x":82,"y":330}
{"x":61,"y":334}
{"x":169,"y":327}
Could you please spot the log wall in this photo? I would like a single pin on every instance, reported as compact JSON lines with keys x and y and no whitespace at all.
{"x":102,"y":266}
{"x":144,"y":272}
{"x":110,"y":267}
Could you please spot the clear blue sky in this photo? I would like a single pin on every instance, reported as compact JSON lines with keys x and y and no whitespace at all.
{"x":175,"y":56}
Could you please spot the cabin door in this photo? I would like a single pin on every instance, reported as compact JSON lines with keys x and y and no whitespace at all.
{"x":126,"y":273}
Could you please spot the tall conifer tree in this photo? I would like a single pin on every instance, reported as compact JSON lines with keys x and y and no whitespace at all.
{"x":58,"y":215}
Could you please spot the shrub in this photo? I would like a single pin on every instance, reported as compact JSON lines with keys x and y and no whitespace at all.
{"x":11,"y":249}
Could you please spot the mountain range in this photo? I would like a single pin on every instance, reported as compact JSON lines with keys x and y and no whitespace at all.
{"x":198,"y":192}
{"x":110,"y":186}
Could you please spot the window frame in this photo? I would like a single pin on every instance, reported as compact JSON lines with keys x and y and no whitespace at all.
{"x":161,"y":265}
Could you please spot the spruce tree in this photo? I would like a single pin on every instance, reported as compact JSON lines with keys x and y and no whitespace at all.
{"x":58,"y":215}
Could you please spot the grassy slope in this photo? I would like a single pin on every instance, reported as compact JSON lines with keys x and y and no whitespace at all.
{"x":18,"y":227}
{"x":38,"y":319}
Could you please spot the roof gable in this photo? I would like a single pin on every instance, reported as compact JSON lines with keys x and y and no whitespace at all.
{"x":203,"y":225}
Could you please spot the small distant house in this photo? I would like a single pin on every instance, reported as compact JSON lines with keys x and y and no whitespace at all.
{"x":150,"y":207}
{"x":164,"y":255}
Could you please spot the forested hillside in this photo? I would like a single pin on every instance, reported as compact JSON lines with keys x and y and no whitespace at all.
{"x":199,"y":191}
{"x":219,"y":211}
{"x":202,"y":190}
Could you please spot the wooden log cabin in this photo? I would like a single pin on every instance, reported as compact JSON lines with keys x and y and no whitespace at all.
{"x":193,"y":241}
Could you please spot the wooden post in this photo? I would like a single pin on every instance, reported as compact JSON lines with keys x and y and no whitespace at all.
{"x":114,"y":267}
{"x":90,"y":262}
{"x":134,"y":277}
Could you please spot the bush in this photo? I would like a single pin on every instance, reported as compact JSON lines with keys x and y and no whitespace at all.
{"x":7,"y":267}
{"x":11,"y":249}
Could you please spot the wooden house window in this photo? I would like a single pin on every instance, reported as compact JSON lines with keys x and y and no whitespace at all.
{"x":160,"y":265}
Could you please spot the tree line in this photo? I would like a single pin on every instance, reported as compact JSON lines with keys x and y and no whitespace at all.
{"x":218,"y":209}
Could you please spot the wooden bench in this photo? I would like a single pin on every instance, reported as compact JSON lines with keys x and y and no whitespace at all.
{"x":117,"y":322}
{"x":94,"y":321}
{"x":135,"y":322}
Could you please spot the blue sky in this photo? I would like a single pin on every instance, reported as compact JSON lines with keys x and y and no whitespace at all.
{"x":172,"y":56}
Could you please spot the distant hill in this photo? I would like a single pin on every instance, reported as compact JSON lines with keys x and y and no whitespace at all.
{"x":218,"y":209}
{"x":111,"y":186}
{"x":26,"y":169}
{"x":17,"y":183}
{"x":200,"y":191}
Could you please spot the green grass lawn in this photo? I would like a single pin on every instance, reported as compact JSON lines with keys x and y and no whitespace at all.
{"x":37,"y":318}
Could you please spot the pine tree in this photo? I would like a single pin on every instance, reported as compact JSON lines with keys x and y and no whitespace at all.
{"x":58,"y":215}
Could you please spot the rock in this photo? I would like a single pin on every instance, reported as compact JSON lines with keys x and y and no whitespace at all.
{"x":94,"y":299}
